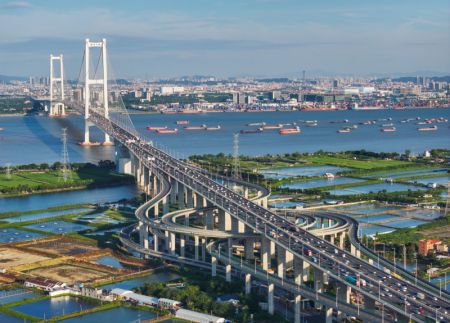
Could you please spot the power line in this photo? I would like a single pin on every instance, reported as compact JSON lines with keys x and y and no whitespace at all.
{"x":66,"y":174}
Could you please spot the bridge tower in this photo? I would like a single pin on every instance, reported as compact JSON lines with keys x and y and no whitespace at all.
{"x":95,"y":81}
{"x":57,"y":107}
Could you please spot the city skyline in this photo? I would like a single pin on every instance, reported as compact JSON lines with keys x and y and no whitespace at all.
{"x":233,"y":38}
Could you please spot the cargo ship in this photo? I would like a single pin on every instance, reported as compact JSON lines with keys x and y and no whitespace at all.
{"x":256,"y":124}
{"x":344,"y":130}
{"x":433,"y":128}
{"x":182,"y":122}
{"x":289,"y":131}
{"x":212,"y":128}
{"x":271,"y":127}
{"x":202,"y":127}
{"x":156,"y":128}
{"x":167,"y":131}
{"x":389,"y":129}
{"x":246,"y":131}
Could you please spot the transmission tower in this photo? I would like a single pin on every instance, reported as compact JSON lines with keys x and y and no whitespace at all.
{"x":236,"y":170}
{"x":8,"y":171}
{"x":65,"y":167}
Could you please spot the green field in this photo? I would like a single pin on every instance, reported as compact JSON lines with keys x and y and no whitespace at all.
{"x":366,"y":164}
{"x":34,"y":181}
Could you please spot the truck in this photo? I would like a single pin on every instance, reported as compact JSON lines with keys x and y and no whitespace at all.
{"x":350,"y":279}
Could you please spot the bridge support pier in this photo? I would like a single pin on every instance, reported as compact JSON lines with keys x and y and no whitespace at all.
{"x":248,"y":284}
{"x":318,"y":285}
{"x":228,"y":273}
{"x":203,"y":249}
{"x":224,"y":220}
{"x":172,"y":243}
{"x":265,"y":251}
{"x":328,"y":315}
{"x":155,"y":242}
{"x":182,"y":246}
{"x":342,"y":240}
{"x":213,"y":266}
{"x":297,"y":309}
{"x":181,"y":204}
{"x":270,"y":291}
{"x":196,"y":243}
{"x":281,"y":262}
{"x":249,"y":245}
{"x":298,"y":270}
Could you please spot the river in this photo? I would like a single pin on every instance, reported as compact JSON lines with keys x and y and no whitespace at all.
{"x":37,"y":138}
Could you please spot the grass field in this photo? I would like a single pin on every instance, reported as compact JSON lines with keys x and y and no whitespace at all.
{"x":32,"y":181}
{"x":366,"y":164}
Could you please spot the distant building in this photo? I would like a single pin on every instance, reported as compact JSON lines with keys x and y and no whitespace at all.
{"x":238,"y":98}
{"x":198,"y":317}
{"x":137,"y":93}
{"x":427,"y":245}
{"x":274,"y":95}
{"x":168,"y":90}
{"x":47,"y":285}
{"x":148,"y":95}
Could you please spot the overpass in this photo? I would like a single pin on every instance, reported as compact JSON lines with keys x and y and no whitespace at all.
{"x":220,"y":222}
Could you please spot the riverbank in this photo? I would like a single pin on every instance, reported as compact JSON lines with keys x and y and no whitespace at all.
{"x":39,"y":179}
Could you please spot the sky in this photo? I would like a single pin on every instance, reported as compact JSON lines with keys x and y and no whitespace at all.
{"x":169,"y":38}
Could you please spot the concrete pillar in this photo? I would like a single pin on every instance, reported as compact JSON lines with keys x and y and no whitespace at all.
{"x":272,"y":248}
{"x":189,"y":198}
{"x":224,"y":220}
{"x":196,"y":243}
{"x":155,"y":242}
{"x":270,"y":307}
{"x":329,"y":315}
{"x":369,"y":303}
{"x":344,"y":292}
{"x":289,"y":260}
{"x":342,"y":240}
{"x":156,"y":210}
{"x":265,"y":251}
{"x":204,"y":249}
{"x":246,"y":192}
{"x":353,"y":250}
{"x":145,"y":228}
{"x":146,"y":182}
{"x":249,"y":248}
{"x":281,"y":262}
{"x":298,"y":270}
{"x":297,"y":309}
{"x":182,"y":246}
{"x":370,"y":261}
{"x":213,"y":266}
{"x":167,"y":241}
{"x":228,"y":273}
{"x":165,"y":203}
{"x":306,"y":269}
{"x":318,"y":284}
{"x":180,"y":195}
{"x":172,"y":243}
{"x":264,"y":202}
{"x":332,"y":239}
{"x":248,"y":283}
{"x":173,"y":190}
{"x":209,"y":219}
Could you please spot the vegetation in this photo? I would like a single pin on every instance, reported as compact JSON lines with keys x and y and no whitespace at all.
{"x":199,"y":294}
{"x":40,"y":178}
{"x":14,"y":105}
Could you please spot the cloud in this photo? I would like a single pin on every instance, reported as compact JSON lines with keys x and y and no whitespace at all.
{"x":16,"y":5}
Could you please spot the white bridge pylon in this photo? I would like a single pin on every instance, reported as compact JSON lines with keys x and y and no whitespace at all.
{"x":57,"y":107}
{"x":95,"y":81}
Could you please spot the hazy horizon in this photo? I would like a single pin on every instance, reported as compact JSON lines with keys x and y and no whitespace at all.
{"x":261,"y":38}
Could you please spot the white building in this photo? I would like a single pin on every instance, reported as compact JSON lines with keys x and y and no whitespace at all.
{"x":198,"y":317}
{"x":168,"y":90}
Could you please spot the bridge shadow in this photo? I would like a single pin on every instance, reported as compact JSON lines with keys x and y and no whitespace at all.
{"x":52,"y":140}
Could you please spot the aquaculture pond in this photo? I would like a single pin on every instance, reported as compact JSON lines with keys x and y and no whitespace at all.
{"x":58,"y":227}
{"x":278,"y":173}
{"x":15,"y":295}
{"x":109,"y":261}
{"x":388,"y":187}
{"x":115,"y":315}
{"x":48,"y":308}
{"x":303,"y":185}
{"x":366,"y":208}
{"x":140,"y":281}
{"x":14,"y":235}
{"x":404,"y":223}
{"x":441,"y":180}
{"x":11,"y":319}
{"x":44,"y":215}
{"x":98,"y":218}
{"x":370,"y":230}
{"x":409,"y":173}
{"x":426,"y":214}
{"x":286,"y":204}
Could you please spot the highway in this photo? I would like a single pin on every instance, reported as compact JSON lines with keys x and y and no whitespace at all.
{"x":394,"y":293}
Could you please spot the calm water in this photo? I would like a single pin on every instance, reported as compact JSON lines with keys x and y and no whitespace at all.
{"x":97,"y":218}
{"x":42,"y":201}
{"x":320,"y":182}
{"x":410,"y":173}
{"x":14,"y":235}
{"x":444,"y":180}
{"x":48,"y":308}
{"x":137,"y":282}
{"x":10,"y":319}
{"x":39,"y":137}
{"x":58,"y":227}
{"x":115,"y":315}
{"x":44,"y":215}
{"x":301,"y":171}
{"x":15,"y":295}
{"x":285,"y":204}
{"x":388,"y":187}
{"x":109,"y":261}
